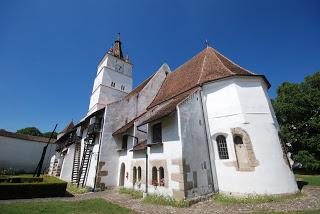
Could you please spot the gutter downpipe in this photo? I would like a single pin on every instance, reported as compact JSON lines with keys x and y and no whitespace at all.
{"x":210,"y":149}
{"x":146,"y":189}
{"x":146,"y":193}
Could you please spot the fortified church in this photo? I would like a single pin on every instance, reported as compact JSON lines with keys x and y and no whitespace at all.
{"x":208,"y":126}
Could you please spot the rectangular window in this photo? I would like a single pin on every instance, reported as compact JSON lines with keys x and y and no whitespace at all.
{"x":124,"y":142}
{"x":222,"y":147}
{"x":156,"y":133}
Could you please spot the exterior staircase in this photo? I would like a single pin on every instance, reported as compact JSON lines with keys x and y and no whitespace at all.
{"x":93,"y":130}
{"x":76,"y":162}
{"x":85,"y":162}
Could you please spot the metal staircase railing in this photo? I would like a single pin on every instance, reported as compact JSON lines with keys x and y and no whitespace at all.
{"x":76,"y":162}
{"x":85,"y":162}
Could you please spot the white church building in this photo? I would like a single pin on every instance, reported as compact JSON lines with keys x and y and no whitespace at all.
{"x":208,"y":126}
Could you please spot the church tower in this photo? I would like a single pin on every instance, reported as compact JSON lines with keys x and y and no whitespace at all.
{"x":113,"y":80}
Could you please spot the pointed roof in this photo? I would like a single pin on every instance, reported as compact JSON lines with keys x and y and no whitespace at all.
{"x":116,"y":50}
{"x":69,"y":127}
{"x":208,"y":65}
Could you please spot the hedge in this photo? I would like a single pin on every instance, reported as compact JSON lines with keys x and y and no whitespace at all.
{"x":50,"y":187}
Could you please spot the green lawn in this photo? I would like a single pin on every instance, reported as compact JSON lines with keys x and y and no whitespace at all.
{"x":87,"y":206}
{"x":312,"y":180}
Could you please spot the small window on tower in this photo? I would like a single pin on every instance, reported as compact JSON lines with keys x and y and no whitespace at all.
{"x":113,"y":84}
{"x":122,"y":87}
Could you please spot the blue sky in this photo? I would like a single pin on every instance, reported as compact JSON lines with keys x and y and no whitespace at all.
{"x":49,"y":50}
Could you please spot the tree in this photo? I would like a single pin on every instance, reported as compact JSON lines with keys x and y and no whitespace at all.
{"x":30,"y":131}
{"x":297,"y":108}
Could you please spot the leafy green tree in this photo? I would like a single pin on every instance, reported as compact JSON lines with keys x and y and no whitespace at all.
{"x":30,"y":131}
{"x":297,"y":107}
{"x":47,"y":134}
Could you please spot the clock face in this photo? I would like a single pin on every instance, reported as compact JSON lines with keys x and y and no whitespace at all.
{"x":119,"y":68}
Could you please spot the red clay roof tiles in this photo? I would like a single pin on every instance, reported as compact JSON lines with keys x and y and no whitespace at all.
{"x":208,"y":65}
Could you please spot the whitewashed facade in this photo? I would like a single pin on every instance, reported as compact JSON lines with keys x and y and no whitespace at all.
{"x":22,"y":153}
{"x":206,"y":127}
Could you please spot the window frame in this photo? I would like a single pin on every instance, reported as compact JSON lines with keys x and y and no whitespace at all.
{"x":222,"y":147}
{"x":139,"y":173}
{"x":154,"y":176}
{"x":161,"y":176}
{"x":237,"y":142}
{"x":124,"y":142}
{"x":134,"y":175}
{"x":157,"y":133}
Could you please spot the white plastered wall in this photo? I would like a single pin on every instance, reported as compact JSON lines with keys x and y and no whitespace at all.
{"x":20,"y":154}
{"x":242,"y":102}
{"x":66,"y":169}
{"x":195,"y":147}
{"x":171,"y":150}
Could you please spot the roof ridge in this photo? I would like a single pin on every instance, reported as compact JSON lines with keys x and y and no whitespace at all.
{"x":173,"y":97}
{"x":214,"y":51}
{"x":203,"y":62}
{"x":183,"y":64}
{"x":230,"y":61}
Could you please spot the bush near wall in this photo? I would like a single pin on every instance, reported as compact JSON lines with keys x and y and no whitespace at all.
{"x":50,"y":187}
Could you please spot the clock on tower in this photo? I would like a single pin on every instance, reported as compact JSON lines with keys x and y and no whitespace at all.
{"x":113,"y":80}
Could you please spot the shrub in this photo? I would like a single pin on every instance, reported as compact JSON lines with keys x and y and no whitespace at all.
{"x":167,"y":201}
{"x":7,"y":171}
{"x":50,"y":187}
{"x":132,"y":192}
{"x":73,"y":189}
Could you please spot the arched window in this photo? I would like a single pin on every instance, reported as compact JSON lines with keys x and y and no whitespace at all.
{"x":222,"y":147}
{"x":139,"y":173}
{"x":134,"y":175}
{"x":122,"y":174}
{"x":161,"y":176}
{"x":237,"y":140}
{"x":154,"y":176}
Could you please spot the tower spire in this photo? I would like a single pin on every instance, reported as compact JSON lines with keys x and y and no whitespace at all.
{"x":117,"y":50}
{"x":206,"y":43}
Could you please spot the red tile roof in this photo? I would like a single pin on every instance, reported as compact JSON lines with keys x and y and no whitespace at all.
{"x":68,"y":127}
{"x":140,"y":146}
{"x":167,"y":107}
{"x":206,"y":66}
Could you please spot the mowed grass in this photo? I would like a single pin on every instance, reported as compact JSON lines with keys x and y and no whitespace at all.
{"x":86,"y":206}
{"x":312,"y":180}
